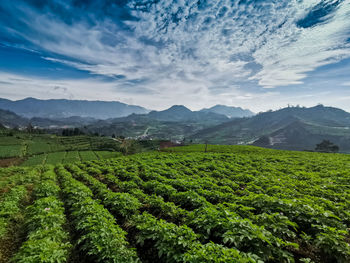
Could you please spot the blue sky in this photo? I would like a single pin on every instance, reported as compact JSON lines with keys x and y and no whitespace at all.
{"x":260,"y":54}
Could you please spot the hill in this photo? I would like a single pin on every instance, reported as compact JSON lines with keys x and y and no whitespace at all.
{"x":12,"y":120}
{"x":229,"y":111}
{"x":174,"y":123}
{"x":289,"y":128}
{"x":61,"y":108}
{"x":174,"y":113}
{"x":73,"y":121}
{"x":300,"y":135}
{"x":178,"y":113}
{"x":292,"y":128}
{"x":28,"y":149}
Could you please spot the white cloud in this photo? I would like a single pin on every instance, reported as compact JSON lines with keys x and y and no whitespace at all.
{"x":16,"y":87}
{"x":265,"y":31}
{"x":182,"y":53}
{"x":303,"y":51}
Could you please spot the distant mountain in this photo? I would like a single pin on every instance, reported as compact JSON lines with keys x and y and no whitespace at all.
{"x":61,"y":108}
{"x":181,"y":113}
{"x":176,"y":122}
{"x":229,"y":111}
{"x":12,"y":120}
{"x":300,"y":135}
{"x":293,"y":128}
{"x":174,"y":113}
{"x":74,"y":121}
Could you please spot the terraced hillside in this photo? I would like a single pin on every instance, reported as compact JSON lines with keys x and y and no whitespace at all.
{"x":25,"y":144}
{"x":32,"y":149}
{"x":230,"y":204}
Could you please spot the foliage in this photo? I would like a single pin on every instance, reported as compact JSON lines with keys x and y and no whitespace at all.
{"x":99,"y":235}
{"x":230,"y":204}
{"x":327,"y":146}
{"x":10,"y":207}
{"x":47,"y":241}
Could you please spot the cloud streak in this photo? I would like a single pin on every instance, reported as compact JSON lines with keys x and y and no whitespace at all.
{"x":210,"y":50}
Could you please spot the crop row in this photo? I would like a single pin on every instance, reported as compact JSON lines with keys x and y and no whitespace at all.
{"x":213,"y":223}
{"x":171,"y":243}
{"x":193,"y":180}
{"x":97,"y":234}
{"x":15,"y":197}
{"x":47,"y":241}
{"x":53,"y":158}
{"x":245,"y":206}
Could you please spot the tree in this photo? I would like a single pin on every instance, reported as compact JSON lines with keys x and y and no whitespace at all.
{"x":30,"y":128}
{"x":327,"y":147}
{"x":72,"y":132}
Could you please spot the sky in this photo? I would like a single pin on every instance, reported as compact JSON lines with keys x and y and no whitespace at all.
{"x":260,"y":55}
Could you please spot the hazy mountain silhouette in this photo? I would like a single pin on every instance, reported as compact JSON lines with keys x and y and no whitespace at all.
{"x":61,"y":108}
{"x":229,"y":111}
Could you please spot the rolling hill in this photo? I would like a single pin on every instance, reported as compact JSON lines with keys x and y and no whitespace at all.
{"x":12,"y":120}
{"x":181,"y":113}
{"x":229,"y":111}
{"x":61,"y":108}
{"x":291,"y":128}
{"x":174,"y":123}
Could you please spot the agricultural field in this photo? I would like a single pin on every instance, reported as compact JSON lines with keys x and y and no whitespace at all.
{"x":33,"y":149}
{"x":31,"y":144}
{"x":68,"y":157}
{"x":230,"y":204}
{"x":7,"y":151}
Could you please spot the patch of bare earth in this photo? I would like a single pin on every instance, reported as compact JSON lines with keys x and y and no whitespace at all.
{"x":10,"y":161}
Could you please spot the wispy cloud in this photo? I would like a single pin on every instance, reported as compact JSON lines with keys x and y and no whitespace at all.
{"x":181,"y":51}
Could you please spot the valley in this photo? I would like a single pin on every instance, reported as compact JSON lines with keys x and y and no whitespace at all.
{"x":192,"y":131}
{"x":291,"y":128}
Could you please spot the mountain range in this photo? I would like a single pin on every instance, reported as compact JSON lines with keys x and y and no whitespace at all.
{"x":174,"y":123}
{"x":292,"y":128}
{"x":231,"y":112}
{"x":61,"y":108}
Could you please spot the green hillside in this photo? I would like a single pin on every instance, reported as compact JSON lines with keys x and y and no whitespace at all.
{"x":32,"y":149}
{"x":292,"y":128}
{"x":174,"y":123}
{"x":229,"y":204}
{"x":10,"y":119}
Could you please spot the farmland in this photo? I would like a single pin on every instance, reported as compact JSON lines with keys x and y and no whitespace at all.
{"x":68,"y":157}
{"x":34,"y":149}
{"x":230,"y":204}
{"x":26,"y":144}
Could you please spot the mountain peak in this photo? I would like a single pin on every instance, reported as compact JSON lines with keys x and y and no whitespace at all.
{"x":229,"y":111}
{"x":179,"y":108}
{"x":223,"y":106}
{"x":28,"y":99}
